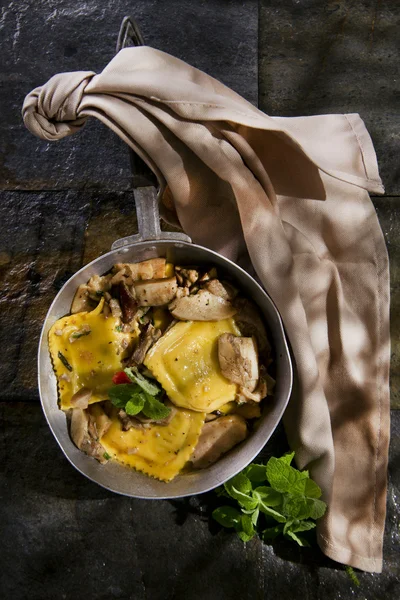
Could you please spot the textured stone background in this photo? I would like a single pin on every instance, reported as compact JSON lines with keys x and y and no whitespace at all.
{"x":63,"y":204}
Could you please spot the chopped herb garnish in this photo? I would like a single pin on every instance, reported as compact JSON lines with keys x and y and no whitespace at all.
{"x":99,"y":293}
{"x":118,"y":328}
{"x":64,"y":361}
{"x":106,"y":456}
{"x":79,"y":334}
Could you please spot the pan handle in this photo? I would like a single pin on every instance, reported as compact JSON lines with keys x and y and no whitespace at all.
{"x":143,"y":179}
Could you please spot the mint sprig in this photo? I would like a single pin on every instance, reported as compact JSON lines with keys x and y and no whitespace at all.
{"x":270,"y":494}
{"x":139,"y":396}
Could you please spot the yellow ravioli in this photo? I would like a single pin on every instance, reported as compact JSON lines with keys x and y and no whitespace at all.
{"x":160,"y":450}
{"x":185,"y":362}
{"x":94,"y":358}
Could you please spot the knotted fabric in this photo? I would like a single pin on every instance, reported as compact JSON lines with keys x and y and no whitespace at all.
{"x":291,"y":195}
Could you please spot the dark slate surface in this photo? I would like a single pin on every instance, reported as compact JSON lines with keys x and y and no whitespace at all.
{"x":40,"y":39}
{"x":335,"y":57}
{"x":63,"y":537}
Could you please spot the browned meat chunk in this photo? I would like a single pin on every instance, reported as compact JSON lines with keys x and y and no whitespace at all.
{"x":216,"y":438}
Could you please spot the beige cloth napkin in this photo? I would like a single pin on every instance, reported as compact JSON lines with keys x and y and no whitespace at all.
{"x":291,"y":193}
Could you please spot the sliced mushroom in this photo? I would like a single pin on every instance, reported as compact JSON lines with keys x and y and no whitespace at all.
{"x":79,"y":426}
{"x":82,"y":437}
{"x":148,"y":338}
{"x":81,"y":301}
{"x":238,"y":359}
{"x":203,"y":306}
{"x":155,"y":292}
{"x":250,"y":410}
{"x":218,"y":437}
{"x":81,"y":398}
{"x":245,"y":395}
{"x":250,"y":323}
{"x":148,"y":269}
{"x":127,"y":302}
{"x":115,"y":308}
{"x":221,"y":288}
{"x":129,"y":422}
{"x":101,"y":419}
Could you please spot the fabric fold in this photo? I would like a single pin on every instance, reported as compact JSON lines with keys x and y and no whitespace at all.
{"x":291,"y":196}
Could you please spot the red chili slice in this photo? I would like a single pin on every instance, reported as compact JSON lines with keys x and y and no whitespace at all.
{"x":121,"y":377}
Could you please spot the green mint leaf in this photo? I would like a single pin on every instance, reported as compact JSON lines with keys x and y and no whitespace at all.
{"x":270,"y":512}
{"x":317,"y":508}
{"x":269,"y":496}
{"x":271,"y":532}
{"x":154,"y":409}
{"x":256,"y":473}
{"x":295,"y":507}
{"x":296,"y":526}
{"x":254,"y":516}
{"x":306,"y":487}
{"x":221,"y":492}
{"x":239,"y":488}
{"x":245,"y":528}
{"x":298,"y":507}
{"x":147,"y":386}
{"x":241,"y":483}
{"x":245,"y":501}
{"x":287,"y":458}
{"x":281,"y":476}
{"x":301,"y":541}
{"x":135,"y":405}
{"x":227,"y":516}
{"x":121,"y":394}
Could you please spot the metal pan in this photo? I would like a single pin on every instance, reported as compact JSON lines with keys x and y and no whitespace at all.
{"x":176,"y":248}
